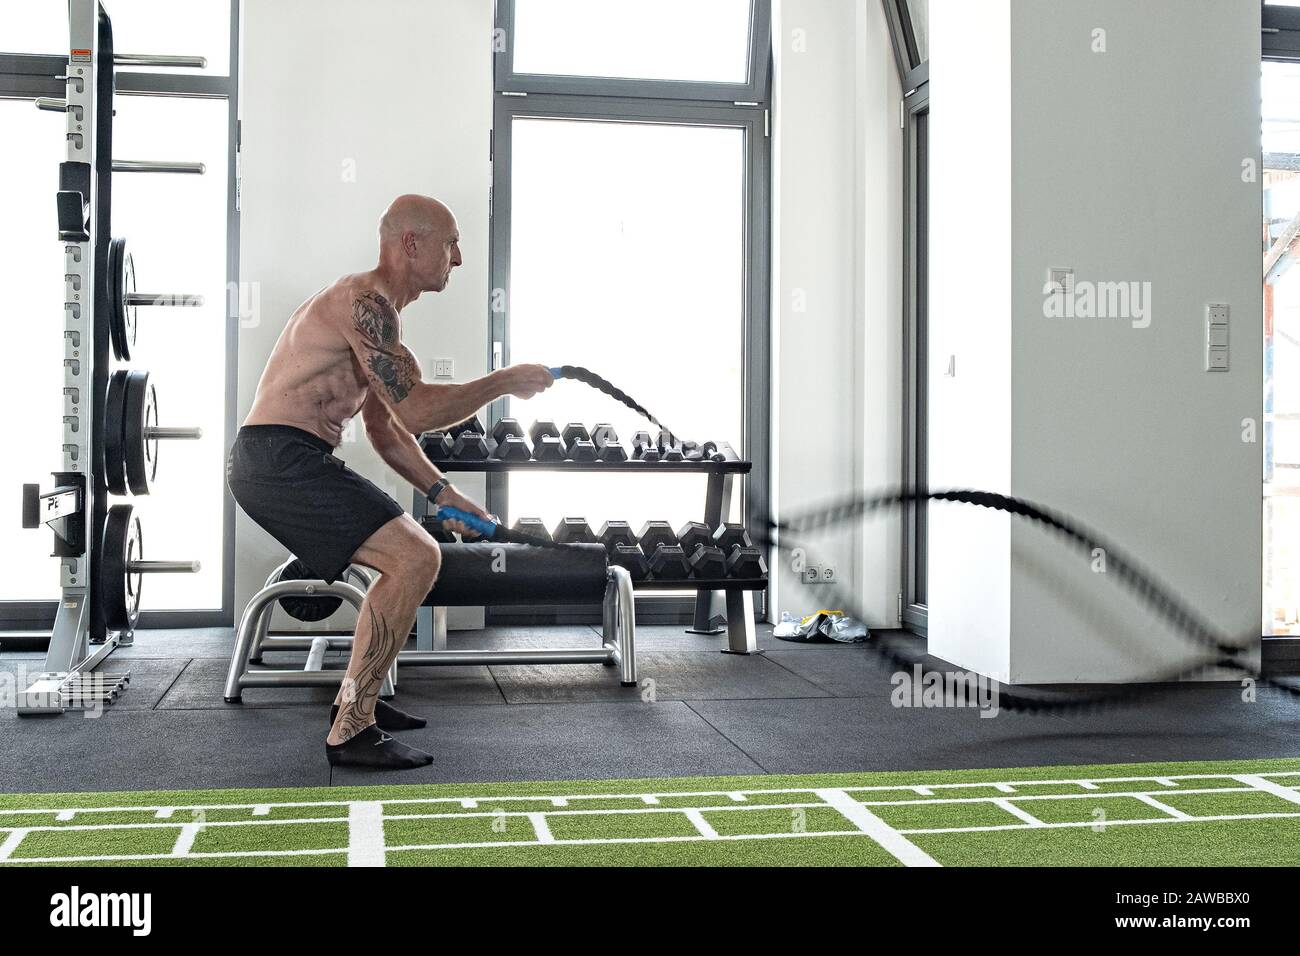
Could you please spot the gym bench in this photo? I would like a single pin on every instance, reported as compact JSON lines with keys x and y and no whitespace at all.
{"x":472,"y":575}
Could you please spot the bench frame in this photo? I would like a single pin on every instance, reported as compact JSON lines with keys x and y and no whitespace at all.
{"x":618,"y":640}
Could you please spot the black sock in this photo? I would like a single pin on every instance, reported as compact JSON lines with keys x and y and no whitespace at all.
{"x":388,"y":717}
{"x":375,"y":749}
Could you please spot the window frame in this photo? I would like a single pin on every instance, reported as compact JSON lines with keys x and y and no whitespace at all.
{"x":753,"y":90}
{"x":27,"y":76}
{"x":914,"y":77}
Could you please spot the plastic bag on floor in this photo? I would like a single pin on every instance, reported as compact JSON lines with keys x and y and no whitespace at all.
{"x":821,"y":627}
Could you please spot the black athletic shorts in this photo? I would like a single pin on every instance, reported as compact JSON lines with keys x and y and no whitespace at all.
{"x":289,"y":482}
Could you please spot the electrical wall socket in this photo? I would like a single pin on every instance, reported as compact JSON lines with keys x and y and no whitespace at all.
{"x":812,"y":575}
{"x":828,"y":575}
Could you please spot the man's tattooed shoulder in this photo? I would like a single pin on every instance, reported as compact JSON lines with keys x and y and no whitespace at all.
{"x":376,"y":319}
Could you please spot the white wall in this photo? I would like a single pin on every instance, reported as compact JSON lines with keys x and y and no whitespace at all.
{"x":345,"y":106}
{"x":836,"y":292}
{"x":1125,"y":165}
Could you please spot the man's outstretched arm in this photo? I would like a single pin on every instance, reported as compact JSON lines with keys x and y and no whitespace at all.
{"x":374,"y":331}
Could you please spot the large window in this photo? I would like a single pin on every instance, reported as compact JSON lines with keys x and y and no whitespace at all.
{"x":630,"y":234}
{"x":180,"y":231}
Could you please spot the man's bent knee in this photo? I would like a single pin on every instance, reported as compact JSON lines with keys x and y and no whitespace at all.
{"x":421,"y":565}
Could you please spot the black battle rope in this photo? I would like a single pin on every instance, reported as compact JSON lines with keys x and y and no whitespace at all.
{"x":588,"y":377}
{"x":1140,"y":582}
{"x":1222,"y":654}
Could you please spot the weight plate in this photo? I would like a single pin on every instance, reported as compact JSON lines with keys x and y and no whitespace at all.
{"x":129,"y":312}
{"x":114,"y":433}
{"x":123,"y":543}
{"x":116,"y":315}
{"x":306,"y":607}
{"x":140,"y":414}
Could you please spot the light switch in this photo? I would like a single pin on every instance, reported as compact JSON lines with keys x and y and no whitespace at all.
{"x":444,"y":368}
{"x":1216,"y":337}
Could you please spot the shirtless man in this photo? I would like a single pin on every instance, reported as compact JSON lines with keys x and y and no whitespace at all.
{"x":341,"y":353}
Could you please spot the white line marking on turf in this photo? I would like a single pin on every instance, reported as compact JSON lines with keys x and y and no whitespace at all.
{"x":893,"y":842}
{"x":1162,"y":807}
{"x":559,"y":801}
{"x":922,"y":791}
{"x":1004,"y":788}
{"x":185,"y":839}
{"x":1269,"y":786}
{"x":623,"y":796}
{"x":366,"y":833}
{"x":1233,"y":817}
{"x":164,"y":813}
{"x":702,"y":825}
{"x":11,"y":842}
{"x":649,"y":800}
{"x":540,"y":827}
{"x":469,"y":804}
{"x":65,"y":815}
{"x":1087,"y":785}
{"x":1165,"y":782}
{"x":1016,"y":811}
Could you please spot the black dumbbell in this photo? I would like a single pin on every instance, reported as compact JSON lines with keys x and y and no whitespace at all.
{"x":608,"y":447}
{"x":507,"y":427}
{"x":708,"y":563}
{"x":643,"y":449}
{"x":575,"y":431}
{"x":532,"y":527}
{"x":581,"y":449}
{"x":436,"y":446}
{"x":668,"y":563}
{"x":631,"y":557}
{"x":709,"y":452}
{"x":732,"y":536}
{"x":541,"y":427}
{"x":727,"y":452}
{"x":473,"y":425}
{"x":691,"y":451}
{"x":693,"y":534}
{"x":746,"y":563}
{"x":655,"y":533}
{"x":549,"y":448}
{"x":614,"y":533}
{"x":573,"y":531}
{"x":470,"y":446}
{"x":513,"y":448}
{"x":612,"y":451}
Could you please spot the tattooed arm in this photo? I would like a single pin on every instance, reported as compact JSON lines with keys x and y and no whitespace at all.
{"x":374,"y":330}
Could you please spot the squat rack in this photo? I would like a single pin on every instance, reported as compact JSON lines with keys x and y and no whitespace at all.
{"x":97,"y":306}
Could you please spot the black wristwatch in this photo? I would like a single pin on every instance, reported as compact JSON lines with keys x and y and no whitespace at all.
{"x":437,"y":488}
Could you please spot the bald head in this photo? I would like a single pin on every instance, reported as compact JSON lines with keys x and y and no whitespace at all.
{"x":418,"y":235}
{"x":421,"y":215}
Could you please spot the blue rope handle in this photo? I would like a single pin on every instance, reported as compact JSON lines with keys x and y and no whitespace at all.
{"x":481,"y":526}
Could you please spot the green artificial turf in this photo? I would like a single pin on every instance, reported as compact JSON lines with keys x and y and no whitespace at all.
{"x":1067,"y":816}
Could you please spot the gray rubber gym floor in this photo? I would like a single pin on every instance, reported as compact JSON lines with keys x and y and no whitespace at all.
{"x":790,"y":709}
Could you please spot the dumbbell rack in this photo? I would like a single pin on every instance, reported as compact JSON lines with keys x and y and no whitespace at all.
{"x":722,"y":599}
{"x":77,"y":509}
